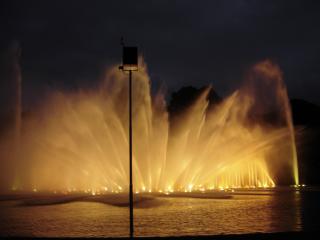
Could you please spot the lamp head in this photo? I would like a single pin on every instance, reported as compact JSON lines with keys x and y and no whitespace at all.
{"x":130,"y":59}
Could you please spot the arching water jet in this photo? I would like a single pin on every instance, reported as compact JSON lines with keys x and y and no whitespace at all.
{"x":78,"y":141}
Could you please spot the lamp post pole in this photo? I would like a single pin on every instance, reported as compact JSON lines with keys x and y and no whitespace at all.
{"x":129,"y":64}
{"x":130,"y":155}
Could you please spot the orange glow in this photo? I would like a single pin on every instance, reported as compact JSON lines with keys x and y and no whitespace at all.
{"x":79,"y":141}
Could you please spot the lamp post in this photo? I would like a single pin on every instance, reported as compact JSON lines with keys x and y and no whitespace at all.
{"x":129,"y":64}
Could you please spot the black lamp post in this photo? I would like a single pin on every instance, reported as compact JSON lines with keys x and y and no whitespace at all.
{"x":129,"y":64}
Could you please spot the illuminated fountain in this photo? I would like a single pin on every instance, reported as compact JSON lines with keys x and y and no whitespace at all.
{"x":77,"y":141}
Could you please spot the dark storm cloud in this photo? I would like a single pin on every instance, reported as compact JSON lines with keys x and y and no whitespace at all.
{"x":67,"y":44}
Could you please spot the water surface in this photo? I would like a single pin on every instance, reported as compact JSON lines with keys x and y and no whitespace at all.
{"x":276,"y":212}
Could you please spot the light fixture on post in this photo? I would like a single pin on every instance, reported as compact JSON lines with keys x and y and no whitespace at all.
{"x":129,"y":64}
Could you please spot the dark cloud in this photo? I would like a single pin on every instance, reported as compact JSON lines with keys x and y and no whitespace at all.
{"x":67,"y":44}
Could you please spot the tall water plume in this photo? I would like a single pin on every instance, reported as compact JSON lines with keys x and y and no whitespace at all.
{"x":78,"y":141}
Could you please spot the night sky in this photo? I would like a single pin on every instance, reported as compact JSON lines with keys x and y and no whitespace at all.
{"x":68,"y":44}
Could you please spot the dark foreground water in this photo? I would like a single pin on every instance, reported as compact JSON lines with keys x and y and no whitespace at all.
{"x":166,"y":216}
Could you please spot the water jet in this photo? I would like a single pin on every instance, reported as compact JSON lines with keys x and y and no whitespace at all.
{"x":79,"y":140}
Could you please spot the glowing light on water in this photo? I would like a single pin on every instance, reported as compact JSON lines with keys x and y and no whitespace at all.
{"x":170,"y":189}
{"x":79,"y":140}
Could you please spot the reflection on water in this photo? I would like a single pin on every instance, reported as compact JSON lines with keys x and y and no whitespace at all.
{"x":175,"y":216}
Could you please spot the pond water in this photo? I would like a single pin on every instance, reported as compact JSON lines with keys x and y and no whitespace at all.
{"x":276,"y":212}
